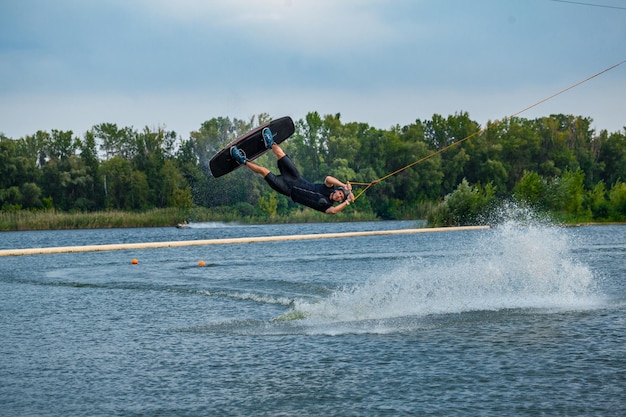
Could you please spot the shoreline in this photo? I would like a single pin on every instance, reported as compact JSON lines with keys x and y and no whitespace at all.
{"x":35,"y":221}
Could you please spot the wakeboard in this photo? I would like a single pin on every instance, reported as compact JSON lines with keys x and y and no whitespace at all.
{"x":251,"y":144}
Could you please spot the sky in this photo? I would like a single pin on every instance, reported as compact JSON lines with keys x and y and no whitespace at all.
{"x":174,"y":64}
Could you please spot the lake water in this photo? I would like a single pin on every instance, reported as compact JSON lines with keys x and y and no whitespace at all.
{"x":523,"y":319}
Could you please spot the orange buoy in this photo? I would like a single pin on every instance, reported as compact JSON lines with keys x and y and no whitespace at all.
{"x":134,"y":261}
{"x":201,"y":263}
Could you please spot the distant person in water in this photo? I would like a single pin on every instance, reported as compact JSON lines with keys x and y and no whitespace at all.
{"x":321,"y":197}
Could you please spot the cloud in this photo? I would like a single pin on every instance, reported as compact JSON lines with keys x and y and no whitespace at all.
{"x":184,"y":112}
{"x":380,"y":62}
{"x":320,"y":27}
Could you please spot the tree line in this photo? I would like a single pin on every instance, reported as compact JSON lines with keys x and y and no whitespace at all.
{"x":557,"y":163}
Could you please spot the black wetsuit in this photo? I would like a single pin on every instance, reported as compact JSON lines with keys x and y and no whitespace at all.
{"x":291,"y":184}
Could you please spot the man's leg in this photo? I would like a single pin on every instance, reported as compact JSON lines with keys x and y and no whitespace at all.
{"x":262,"y":170}
{"x":278,"y":151}
{"x":268,"y":140}
{"x":242,"y":160}
{"x":280,"y":183}
{"x":257,"y":168}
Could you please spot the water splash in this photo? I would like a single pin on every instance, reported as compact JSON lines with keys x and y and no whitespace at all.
{"x":248,"y":296}
{"x":522,"y":263}
{"x":208,"y":225}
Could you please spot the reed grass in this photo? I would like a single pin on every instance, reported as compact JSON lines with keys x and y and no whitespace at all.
{"x":56,"y":220}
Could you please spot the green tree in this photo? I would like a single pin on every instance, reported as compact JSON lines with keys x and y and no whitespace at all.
{"x":572,"y":184}
{"x":31,"y":196}
{"x":10,"y":199}
{"x":268,"y":203}
{"x":612,"y":158}
{"x":139,"y":198}
{"x":521,"y":146}
{"x":175,"y":189}
{"x":8,"y":163}
{"x":115,"y":141}
{"x":464,"y":206}
{"x":189,"y":168}
{"x":149,"y":159}
{"x":212,"y":136}
{"x":494,"y":172}
{"x":531,"y":189}
{"x":617,"y":198}
{"x":566,"y":144}
{"x":65,"y":177}
{"x":61,"y":145}
{"x":89,"y":155}
{"x":442,"y":132}
{"x":33,"y":147}
{"x":116,"y":177}
{"x":309,"y":145}
{"x":598,"y":203}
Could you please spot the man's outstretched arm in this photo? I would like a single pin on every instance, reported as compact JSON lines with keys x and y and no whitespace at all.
{"x":332,"y":181}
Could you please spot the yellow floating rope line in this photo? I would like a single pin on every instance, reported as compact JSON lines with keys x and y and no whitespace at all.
{"x":228,"y":241}
{"x":445,"y":148}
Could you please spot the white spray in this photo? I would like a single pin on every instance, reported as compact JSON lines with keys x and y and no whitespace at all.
{"x":521,"y":263}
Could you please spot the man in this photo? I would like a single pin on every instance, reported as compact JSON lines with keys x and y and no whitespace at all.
{"x":320,"y":197}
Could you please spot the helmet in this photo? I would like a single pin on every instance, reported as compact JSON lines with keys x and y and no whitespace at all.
{"x":345,"y":192}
